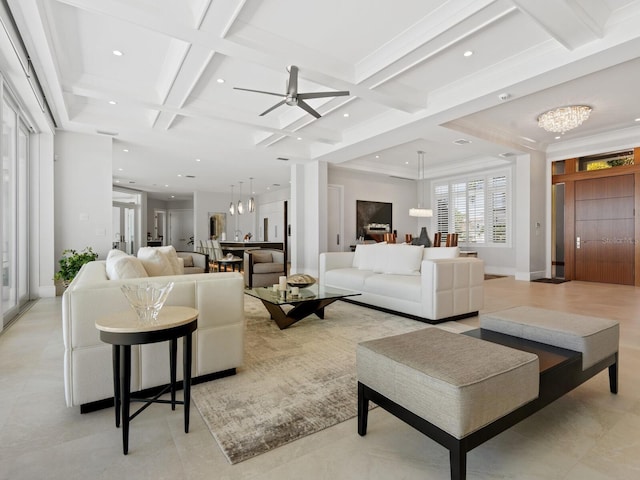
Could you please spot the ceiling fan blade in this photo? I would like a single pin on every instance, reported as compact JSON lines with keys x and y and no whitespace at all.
{"x":292,"y":84}
{"x":258,"y":91}
{"x":305,"y":96}
{"x":305,"y":106}
{"x":273,"y":108}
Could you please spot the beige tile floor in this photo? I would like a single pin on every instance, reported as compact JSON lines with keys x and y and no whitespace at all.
{"x":588,"y":434}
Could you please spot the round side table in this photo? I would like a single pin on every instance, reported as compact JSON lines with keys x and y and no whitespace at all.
{"x":123,"y":330}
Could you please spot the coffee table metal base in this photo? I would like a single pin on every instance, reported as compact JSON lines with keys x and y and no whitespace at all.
{"x":301,"y":310}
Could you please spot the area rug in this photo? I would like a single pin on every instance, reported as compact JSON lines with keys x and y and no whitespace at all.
{"x":294,"y":382}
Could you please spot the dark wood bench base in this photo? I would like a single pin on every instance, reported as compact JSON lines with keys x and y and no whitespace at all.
{"x":560,"y":372}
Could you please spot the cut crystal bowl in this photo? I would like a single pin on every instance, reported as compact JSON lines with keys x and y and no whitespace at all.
{"x":147,"y":299}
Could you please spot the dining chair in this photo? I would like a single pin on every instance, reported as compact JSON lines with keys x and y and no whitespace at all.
{"x":437,"y":239}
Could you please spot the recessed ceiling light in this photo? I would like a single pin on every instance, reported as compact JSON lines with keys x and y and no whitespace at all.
{"x":406,"y":163}
{"x":299,"y":138}
{"x":117,"y":53}
{"x":197,"y":159}
{"x":117,"y":181}
{"x":462,"y":141}
{"x":167,"y":186}
{"x":179,"y":174}
{"x":120,"y":169}
{"x":345,"y":115}
{"x":637,"y":119}
{"x":173,"y":196}
{"x":377,"y":156}
{"x":220,"y":80}
{"x":112,"y":102}
{"x":558,"y":137}
{"x":125,"y":150}
{"x":468,"y":53}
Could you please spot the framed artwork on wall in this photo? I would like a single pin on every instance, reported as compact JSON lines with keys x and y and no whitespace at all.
{"x":373,"y":219}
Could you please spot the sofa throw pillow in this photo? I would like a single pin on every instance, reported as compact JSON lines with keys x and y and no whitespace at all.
{"x":116,"y":253}
{"x":262,"y":257}
{"x":160,"y":261}
{"x":369,"y":254}
{"x":172,"y":255}
{"x":120,"y":267}
{"x":440,"y":252}
{"x":188,"y":261}
{"x":402,"y":259}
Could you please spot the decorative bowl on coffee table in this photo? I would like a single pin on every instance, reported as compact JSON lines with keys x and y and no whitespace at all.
{"x":300,"y":280}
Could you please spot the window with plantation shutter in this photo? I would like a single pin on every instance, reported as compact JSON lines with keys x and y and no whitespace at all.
{"x":476,"y":208}
{"x":441,"y":193}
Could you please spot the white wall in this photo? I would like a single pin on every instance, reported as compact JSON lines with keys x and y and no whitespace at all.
{"x":83,"y":192}
{"x":403,"y":194}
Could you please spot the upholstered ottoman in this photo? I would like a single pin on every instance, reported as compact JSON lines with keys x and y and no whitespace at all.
{"x":462,"y":390}
{"x":455,"y":383}
{"x":450,"y":380}
{"x":596,"y":338}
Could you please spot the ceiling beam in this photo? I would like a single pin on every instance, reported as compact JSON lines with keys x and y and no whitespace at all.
{"x":571,"y":23}
{"x":125,"y":12}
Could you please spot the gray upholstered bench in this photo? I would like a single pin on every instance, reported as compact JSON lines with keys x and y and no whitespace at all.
{"x":461,"y":391}
{"x":596,"y":338}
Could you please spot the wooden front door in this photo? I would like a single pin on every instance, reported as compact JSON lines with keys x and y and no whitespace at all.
{"x":604,"y":230}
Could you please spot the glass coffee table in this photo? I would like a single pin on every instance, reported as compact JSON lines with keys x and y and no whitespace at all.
{"x":311,"y":300}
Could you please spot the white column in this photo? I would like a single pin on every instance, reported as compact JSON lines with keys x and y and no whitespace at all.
{"x":308,"y":216}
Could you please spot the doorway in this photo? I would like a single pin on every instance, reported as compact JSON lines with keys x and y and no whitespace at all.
{"x":594,"y":200}
{"x":335,"y":224}
{"x":604,"y":230}
{"x":181,"y":229}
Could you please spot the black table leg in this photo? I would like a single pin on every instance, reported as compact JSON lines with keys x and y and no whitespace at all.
{"x":363,"y":410}
{"x":173,"y":351}
{"x":125,"y":386}
{"x":186,"y":365}
{"x":116,"y":381}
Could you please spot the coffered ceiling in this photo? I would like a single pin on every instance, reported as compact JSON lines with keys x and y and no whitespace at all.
{"x":169,"y":103}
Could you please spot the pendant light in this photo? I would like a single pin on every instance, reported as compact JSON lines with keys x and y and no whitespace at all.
{"x":240,"y":205}
{"x":252,"y":201}
{"x":232,"y":206}
{"x":421,"y":211}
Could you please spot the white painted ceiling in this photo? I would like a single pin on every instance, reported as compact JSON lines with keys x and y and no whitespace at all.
{"x":411,"y":86}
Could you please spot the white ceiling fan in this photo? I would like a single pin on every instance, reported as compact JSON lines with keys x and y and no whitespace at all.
{"x":293,"y":98}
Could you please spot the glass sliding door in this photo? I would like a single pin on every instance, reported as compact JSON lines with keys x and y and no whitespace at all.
{"x":23,"y":214}
{"x":9,"y":211}
{"x":14,"y":207}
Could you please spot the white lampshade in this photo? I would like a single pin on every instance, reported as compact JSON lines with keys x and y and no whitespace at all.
{"x":420,"y":212}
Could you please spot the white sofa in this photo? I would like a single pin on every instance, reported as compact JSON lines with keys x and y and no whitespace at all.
{"x":217,"y":343}
{"x":428,"y":284}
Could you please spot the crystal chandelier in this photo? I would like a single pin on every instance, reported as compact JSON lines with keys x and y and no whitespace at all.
{"x":232,"y":206}
{"x":251,"y":204}
{"x":240,"y":205}
{"x":421,"y":211}
{"x":563,"y":119}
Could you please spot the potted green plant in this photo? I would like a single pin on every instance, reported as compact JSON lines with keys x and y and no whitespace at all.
{"x":71,"y":262}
